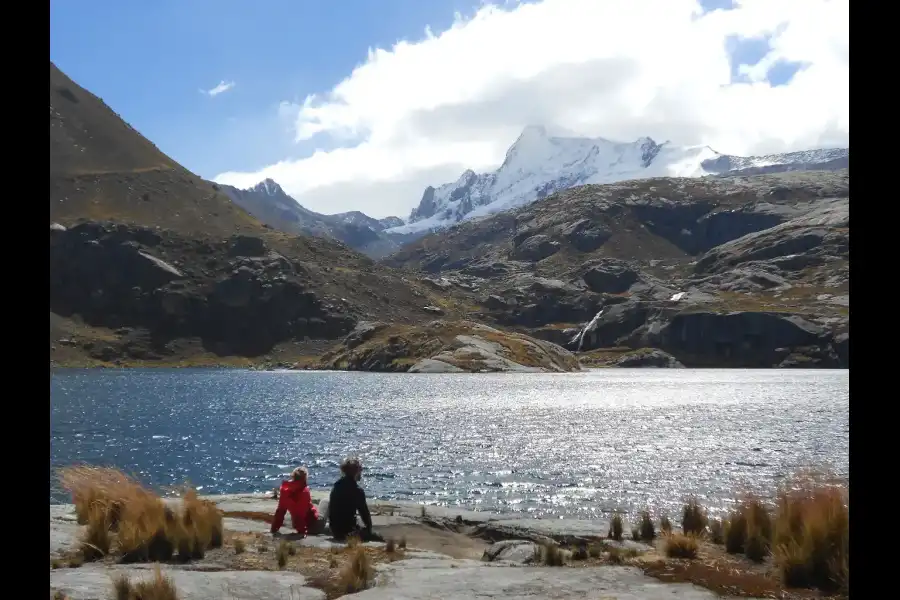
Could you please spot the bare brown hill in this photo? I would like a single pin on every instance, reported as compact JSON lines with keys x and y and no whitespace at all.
{"x":149,"y":262}
{"x":101,"y":168}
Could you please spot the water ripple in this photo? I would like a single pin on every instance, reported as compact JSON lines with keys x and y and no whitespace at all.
{"x":548,"y":445}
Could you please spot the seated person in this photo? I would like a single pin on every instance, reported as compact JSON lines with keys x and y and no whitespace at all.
{"x":294,"y":497}
{"x":347,"y":499}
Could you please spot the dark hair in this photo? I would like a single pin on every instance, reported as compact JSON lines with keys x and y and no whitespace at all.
{"x":351,"y":466}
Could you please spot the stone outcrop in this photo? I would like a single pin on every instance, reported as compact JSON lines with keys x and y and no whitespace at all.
{"x":610,"y":276}
{"x":649,"y":358}
{"x":445,"y":347}
{"x":242,"y":297}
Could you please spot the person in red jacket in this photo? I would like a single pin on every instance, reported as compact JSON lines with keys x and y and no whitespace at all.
{"x":294,"y":498}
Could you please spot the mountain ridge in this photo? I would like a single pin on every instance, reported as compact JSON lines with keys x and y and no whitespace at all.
{"x":268,"y":202}
{"x":538,"y":164}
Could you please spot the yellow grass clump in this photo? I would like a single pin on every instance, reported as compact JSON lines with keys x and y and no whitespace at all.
{"x":157,"y":588}
{"x":358,"y":574}
{"x":646,"y":529}
{"x":616,"y":527}
{"x":681,"y":546}
{"x":665,"y":525}
{"x":549,"y":554}
{"x":124,"y":517}
{"x":749,"y":529}
{"x":812,"y":536}
{"x":693,"y":518}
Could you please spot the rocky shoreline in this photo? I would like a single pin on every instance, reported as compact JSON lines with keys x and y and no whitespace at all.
{"x":451,"y":553}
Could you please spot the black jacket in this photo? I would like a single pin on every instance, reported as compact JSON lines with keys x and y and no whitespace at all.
{"x":346,"y":499}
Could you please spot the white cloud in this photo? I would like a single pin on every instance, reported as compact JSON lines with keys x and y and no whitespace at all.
{"x":458,"y":98}
{"x":223,"y":87}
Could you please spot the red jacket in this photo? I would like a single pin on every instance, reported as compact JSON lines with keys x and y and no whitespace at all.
{"x":294,"y":497}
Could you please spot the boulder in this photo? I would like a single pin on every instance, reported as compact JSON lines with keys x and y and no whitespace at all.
{"x":610,"y":276}
{"x":363,"y":332}
{"x":246,"y":245}
{"x":649,"y":358}
{"x":536,"y":248}
{"x":585,"y":235}
{"x":489,"y":269}
{"x":516,"y":551}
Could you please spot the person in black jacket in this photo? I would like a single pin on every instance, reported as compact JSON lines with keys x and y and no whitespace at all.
{"x":347,"y":499}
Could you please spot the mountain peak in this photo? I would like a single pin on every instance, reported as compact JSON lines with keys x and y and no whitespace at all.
{"x":269,"y":187}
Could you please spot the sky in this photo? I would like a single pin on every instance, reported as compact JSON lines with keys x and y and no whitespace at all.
{"x":361,"y":104}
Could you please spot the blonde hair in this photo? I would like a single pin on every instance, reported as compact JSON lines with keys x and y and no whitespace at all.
{"x":296,"y":473}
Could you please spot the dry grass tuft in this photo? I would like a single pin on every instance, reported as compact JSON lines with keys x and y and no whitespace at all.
{"x":122,"y":587}
{"x":239,"y":546}
{"x":205,"y":518}
{"x":616,"y":556}
{"x":717,"y":532}
{"x":595,"y":550}
{"x":158,"y":588}
{"x":580,"y":552}
{"x":616,"y":527}
{"x":390,"y":546}
{"x":736,"y":533}
{"x":75,"y":561}
{"x":262,"y":548}
{"x":402,"y":544}
{"x":693,"y":518}
{"x":812,"y":536}
{"x":646,"y":529}
{"x":96,"y":540}
{"x":549,"y":554}
{"x":681,"y":546}
{"x":665,"y":525}
{"x":281,"y":554}
{"x":749,"y":530}
{"x":756,"y":548}
{"x":109,"y":501}
{"x":359,"y":574}
{"x":60,"y":595}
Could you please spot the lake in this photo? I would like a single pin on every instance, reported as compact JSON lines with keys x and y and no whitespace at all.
{"x":574,"y":444}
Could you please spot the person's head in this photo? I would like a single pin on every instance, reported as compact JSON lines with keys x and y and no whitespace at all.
{"x":300,"y":474}
{"x":352,"y":467}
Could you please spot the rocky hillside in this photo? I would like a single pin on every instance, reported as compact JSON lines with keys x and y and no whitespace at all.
{"x":268,"y":202}
{"x":539,"y":164}
{"x":148,"y":262}
{"x":717,"y":271}
{"x":444,"y":347}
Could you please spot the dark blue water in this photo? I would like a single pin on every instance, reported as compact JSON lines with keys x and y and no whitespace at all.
{"x":548,"y":444}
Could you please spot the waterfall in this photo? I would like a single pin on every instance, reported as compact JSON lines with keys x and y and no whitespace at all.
{"x":579,"y":337}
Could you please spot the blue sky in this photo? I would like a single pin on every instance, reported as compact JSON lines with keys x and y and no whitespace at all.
{"x":149,"y":59}
{"x":620,"y":70}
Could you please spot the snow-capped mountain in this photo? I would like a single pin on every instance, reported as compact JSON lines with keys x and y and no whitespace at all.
{"x":269,"y":203}
{"x":539,"y":164}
